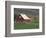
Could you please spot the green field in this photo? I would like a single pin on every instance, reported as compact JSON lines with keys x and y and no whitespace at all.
{"x":33,"y":25}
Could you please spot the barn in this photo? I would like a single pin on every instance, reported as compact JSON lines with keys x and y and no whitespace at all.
{"x":23,"y":18}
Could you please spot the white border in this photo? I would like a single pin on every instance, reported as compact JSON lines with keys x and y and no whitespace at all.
{"x":26,"y":30}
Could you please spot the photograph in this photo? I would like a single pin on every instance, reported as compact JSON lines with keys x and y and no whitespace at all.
{"x":26,"y":18}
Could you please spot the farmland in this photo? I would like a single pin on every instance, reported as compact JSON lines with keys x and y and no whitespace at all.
{"x":32,"y":24}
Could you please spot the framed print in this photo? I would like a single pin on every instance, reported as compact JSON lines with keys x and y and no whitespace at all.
{"x":24,"y":18}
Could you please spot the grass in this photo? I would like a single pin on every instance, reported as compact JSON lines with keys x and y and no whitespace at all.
{"x":33,"y":25}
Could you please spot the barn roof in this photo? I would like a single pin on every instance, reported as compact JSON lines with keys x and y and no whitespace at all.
{"x":25,"y":16}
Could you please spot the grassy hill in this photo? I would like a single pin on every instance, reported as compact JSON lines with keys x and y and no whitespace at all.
{"x":33,"y":25}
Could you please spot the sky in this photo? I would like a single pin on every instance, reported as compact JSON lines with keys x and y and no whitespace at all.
{"x":34,"y":12}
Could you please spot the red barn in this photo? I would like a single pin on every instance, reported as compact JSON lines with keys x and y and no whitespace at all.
{"x":23,"y":18}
